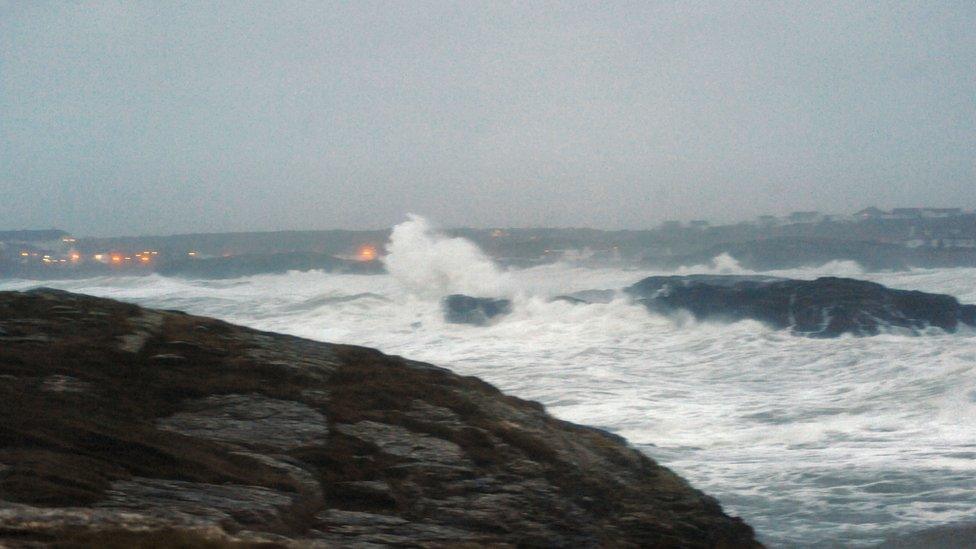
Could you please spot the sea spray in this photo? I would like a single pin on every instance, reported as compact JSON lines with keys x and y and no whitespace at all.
{"x":720,"y":264}
{"x":431,"y":265}
{"x":840,"y":442}
{"x":725,"y":264}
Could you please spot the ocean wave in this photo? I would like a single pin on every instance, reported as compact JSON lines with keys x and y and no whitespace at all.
{"x":839,"y":441}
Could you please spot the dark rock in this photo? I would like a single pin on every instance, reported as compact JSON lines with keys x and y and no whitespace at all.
{"x":570,"y":299}
{"x":216,"y":503}
{"x":167,"y":357}
{"x":250,"y":420}
{"x":463,"y":309}
{"x":35,"y":338}
{"x":64,"y":384}
{"x":53,"y":294}
{"x":183,"y":345}
{"x":64,"y":310}
{"x":826,"y":307}
{"x":967,"y":314}
{"x":260,"y":438}
{"x":587,"y":297}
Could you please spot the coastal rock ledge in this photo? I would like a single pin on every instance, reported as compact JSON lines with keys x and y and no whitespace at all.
{"x":128,"y":427}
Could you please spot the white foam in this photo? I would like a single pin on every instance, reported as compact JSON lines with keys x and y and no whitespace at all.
{"x":720,"y":264}
{"x":839,"y":440}
{"x":429,"y":264}
{"x":726,"y":264}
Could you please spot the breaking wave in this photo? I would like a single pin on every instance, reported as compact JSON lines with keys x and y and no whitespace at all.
{"x":726,"y":264}
{"x":839,"y":442}
{"x":430,"y":264}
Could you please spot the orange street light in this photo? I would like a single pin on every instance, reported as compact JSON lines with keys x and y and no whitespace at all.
{"x":366,"y":253}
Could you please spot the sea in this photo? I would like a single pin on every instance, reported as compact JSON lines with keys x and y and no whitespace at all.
{"x":814,"y":442}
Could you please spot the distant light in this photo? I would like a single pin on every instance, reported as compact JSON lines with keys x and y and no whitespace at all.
{"x":191,"y":254}
{"x":24,"y":254}
{"x":145,"y":259}
{"x":366,"y":253}
{"x":116,"y":258}
{"x":75,"y":257}
{"x":127,"y":258}
{"x":98,"y":257}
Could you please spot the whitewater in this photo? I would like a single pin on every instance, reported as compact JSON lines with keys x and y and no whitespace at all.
{"x":812,"y":441}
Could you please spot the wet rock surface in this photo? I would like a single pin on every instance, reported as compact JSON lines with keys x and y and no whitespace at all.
{"x":258,"y":439}
{"x":250,"y":420}
{"x":825,"y":307}
{"x":463,"y":309}
{"x":588,"y":297}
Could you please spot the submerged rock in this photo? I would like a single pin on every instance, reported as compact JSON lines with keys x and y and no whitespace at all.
{"x":587,"y":297}
{"x":463,"y":309}
{"x":269,"y":439}
{"x":825,"y":307}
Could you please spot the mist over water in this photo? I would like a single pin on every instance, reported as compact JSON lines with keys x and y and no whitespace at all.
{"x":832,"y":441}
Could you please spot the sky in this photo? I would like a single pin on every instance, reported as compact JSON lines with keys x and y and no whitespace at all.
{"x":155,"y":117}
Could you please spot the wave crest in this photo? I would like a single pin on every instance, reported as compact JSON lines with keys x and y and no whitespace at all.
{"x":430,"y":264}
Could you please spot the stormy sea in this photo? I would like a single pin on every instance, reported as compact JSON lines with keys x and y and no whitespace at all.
{"x":814,"y":442}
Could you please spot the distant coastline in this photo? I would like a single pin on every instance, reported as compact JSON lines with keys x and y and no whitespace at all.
{"x":875,"y":239}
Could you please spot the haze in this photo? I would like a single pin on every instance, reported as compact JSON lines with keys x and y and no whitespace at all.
{"x":158,"y":117}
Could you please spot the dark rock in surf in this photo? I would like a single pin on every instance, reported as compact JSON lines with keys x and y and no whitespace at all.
{"x":967,"y":314}
{"x":569,"y":299}
{"x":826,"y":307}
{"x":587,"y":297}
{"x":260,"y":439}
{"x":463,"y":309}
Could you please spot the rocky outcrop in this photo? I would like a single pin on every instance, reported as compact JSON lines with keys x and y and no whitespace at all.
{"x":127,"y":427}
{"x":826,"y":307}
{"x":463,"y":309}
{"x":587,"y":297}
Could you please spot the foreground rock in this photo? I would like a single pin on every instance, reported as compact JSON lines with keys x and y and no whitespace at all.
{"x":131,"y":427}
{"x":463,"y":309}
{"x":826,"y":307}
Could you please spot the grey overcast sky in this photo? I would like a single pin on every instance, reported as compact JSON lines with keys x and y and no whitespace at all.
{"x":167,"y":117}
